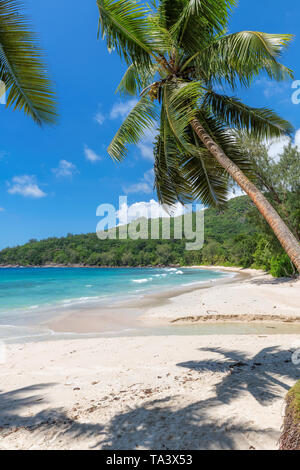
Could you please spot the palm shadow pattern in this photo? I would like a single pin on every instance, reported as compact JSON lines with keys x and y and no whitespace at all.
{"x":50,"y":421}
{"x":160,"y":423}
{"x":258,"y":375}
{"x":157,"y":424}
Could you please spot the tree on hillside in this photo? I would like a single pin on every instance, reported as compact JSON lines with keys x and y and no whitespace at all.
{"x":179,"y":56}
{"x":279,"y":178}
{"x":23,"y":73}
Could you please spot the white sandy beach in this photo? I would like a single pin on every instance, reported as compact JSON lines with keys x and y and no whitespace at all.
{"x":174,"y":392}
{"x":257,"y":295}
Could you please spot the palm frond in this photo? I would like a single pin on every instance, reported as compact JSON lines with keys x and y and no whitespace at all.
{"x":170,"y":184}
{"x":162,"y":41}
{"x":180,"y":100}
{"x":207,"y":183}
{"x":166,"y":175}
{"x":261,"y":122}
{"x":242,"y":56}
{"x":135,"y":80}
{"x":126,"y":29}
{"x":226,"y":140}
{"x":141,"y":117}
{"x":200,"y":19}
{"x":187,"y":169}
{"x":169,"y":12}
{"x":22,"y":68}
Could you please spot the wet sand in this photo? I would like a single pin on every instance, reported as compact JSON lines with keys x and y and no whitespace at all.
{"x":249,"y":296}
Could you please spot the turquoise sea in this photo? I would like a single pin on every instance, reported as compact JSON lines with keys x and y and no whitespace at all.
{"x":29,"y":296}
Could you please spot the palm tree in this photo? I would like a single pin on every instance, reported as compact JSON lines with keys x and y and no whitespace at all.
{"x":22,"y":71}
{"x":180,"y":62}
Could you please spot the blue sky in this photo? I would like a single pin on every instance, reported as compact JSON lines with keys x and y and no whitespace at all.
{"x":53,"y":179}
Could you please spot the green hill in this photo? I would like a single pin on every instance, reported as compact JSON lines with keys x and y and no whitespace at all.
{"x":231,"y":238}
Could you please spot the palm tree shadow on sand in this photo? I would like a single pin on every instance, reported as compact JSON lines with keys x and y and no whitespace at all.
{"x":48,"y":422}
{"x":155,"y":425}
{"x":257,"y":375}
{"x":161,"y":423}
{"x":158,"y":425}
{"x":197,"y":426}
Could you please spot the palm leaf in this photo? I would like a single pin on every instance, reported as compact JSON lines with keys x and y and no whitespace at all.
{"x":22,"y":68}
{"x":135,"y":80}
{"x":166,"y":175}
{"x":142,"y":117}
{"x":125,"y":26}
{"x":207,"y":183}
{"x":170,"y":184}
{"x":200,"y":19}
{"x":225,"y":138}
{"x":261,"y":122}
{"x":162,"y":40}
{"x":180,"y":100}
{"x":187,"y":42}
{"x":194,"y":173}
{"x":240,"y":57}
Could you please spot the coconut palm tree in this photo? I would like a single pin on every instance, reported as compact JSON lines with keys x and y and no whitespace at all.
{"x":22,"y":71}
{"x":180,"y":63}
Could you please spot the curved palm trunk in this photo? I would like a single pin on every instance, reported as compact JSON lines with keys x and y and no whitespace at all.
{"x":284,"y":235}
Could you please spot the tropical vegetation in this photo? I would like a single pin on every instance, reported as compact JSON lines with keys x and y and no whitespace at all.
{"x":290,"y":438}
{"x":182,"y":65}
{"x":23,"y":73}
{"x":236,"y":235}
{"x":230,"y":238}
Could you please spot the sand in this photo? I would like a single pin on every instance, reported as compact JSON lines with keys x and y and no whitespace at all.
{"x":147,"y":393}
{"x":249,"y":295}
{"x":254,"y":297}
{"x":172,"y":392}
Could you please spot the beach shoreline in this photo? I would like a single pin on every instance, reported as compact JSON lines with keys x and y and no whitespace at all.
{"x":133,"y":312}
{"x":215,"y":301}
{"x":101,"y":295}
{"x":136,"y":392}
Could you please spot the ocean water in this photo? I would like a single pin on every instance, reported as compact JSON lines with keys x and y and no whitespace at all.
{"x":29,"y":295}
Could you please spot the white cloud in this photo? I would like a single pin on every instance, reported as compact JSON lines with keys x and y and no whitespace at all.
{"x":65,"y":169}
{"x":2,"y":209}
{"x":236,"y":192}
{"x":297,"y":139}
{"x":26,"y":186}
{"x":138,"y":188}
{"x":122,"y":109}
{"x":146,"y":150}
{"x":149,"y":176}
{"x":144,"y":186}
{"x":146,"y":144}
{"x":276,"y":146}
{"x":100,"y":118}
{"x":3,"y":154}
{"x":149,"y":210}
{"x":271,"y":88}
{"x":90,"y":155}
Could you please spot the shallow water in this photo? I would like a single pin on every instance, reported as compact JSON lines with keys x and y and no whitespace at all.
{"x":31,"y":296}
{"x":32,"y":288}
{"x":227,"y":328}
{"x":243,"y":329}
